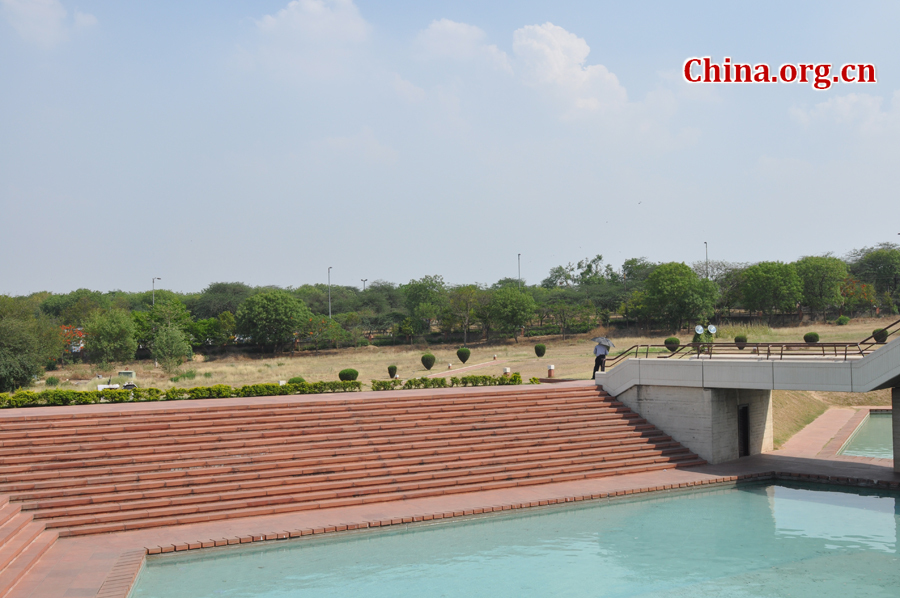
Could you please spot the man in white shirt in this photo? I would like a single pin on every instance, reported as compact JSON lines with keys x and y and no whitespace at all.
{"x":601,"y":351}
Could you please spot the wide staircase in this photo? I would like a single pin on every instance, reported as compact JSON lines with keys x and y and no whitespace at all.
{"x":92,"y":473}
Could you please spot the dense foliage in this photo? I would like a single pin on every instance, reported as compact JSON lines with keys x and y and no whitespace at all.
{"x":574,"y":298}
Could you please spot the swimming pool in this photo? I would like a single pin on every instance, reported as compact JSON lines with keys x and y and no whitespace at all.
{"x":873,"y":438}
{"x":761,"y":540}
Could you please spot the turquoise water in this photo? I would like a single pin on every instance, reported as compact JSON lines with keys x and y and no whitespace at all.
{"x":758,"y":541}
{"x":874,"y":438}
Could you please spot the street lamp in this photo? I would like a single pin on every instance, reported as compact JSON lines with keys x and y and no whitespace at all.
{"x":520,"y":272}
{"x":153,"y":286}
{"x":707,"y":259}
{"x":329,"y":292}
{"x":364,"y":283}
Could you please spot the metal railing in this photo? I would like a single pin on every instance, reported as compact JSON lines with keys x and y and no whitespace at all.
{"x":843,"y":351}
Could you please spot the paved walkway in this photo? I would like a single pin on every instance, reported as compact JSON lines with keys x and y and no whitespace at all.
{"x":79,"y":566}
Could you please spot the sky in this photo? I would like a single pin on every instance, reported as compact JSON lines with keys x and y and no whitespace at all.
{"x":267,"y":141}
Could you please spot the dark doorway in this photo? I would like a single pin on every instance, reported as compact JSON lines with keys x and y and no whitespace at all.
{"x":743,"y":430}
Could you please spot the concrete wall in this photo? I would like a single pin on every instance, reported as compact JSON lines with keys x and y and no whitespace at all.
{"x":705,"y":419}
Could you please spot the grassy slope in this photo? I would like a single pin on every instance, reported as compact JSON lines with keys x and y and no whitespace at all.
{"x":795,"y":409}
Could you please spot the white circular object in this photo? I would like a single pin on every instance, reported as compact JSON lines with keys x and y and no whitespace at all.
{"x":698,"y":329}
{"x":712,"y":329}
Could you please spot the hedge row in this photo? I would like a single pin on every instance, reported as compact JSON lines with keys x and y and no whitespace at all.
{"x":27,"y":398}
{"x":515,"y":378}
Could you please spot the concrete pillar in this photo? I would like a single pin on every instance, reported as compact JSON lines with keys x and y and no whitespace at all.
{"x":895,"y":422}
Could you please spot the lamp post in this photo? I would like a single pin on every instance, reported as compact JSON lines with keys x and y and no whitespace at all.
{"x":364,"y":283}
{"x":520,"y":272}
{"x":153,"y":286}
{"x":707,"y":259}
{"x":329,"y":292}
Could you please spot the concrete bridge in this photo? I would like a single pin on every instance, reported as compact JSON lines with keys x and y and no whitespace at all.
{"x":721,"y":408}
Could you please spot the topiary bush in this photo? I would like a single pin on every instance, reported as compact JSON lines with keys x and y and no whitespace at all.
{"x":52,"y":381}
{"x":540,"y":349}
{"x":428,"y":360}
{"x":842,"y":321}
{"x":740,"y":340}
{"x":348,"y":374}
{"x":392,"y":371}
{"x":463,"y":354}
{"x":672,"y":343}
{"x":880,"y":335}
{"x":811,"y":337}
{"x":296,"y":380}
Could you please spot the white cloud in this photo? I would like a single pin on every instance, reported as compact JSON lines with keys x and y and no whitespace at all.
{"x":315,"y":36}
{"x":859,"y":111}
{"x":407,"y":90}
{"x":363,"y":145}
{"x":553,"y":58}
{"x":44,"y":23}
{"x":459,"y":41}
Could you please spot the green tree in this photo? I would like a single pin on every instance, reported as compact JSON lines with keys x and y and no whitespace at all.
{"x":822,"y":279}
{"x":169,"y":346}
{"x":272,"y":317}
{"x":512,"y":309}
{"x":880,"y":267}
{"x":20,"y":355}
{"x":220,"y":297}
{"x":462,"y":302}
{"x":771,"y":287}
{"x":675,"y":294}
{"x":425,"y":299}
{"x":109,"y":336}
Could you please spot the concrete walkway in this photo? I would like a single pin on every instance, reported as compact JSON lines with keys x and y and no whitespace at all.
{"x":105,"y":565}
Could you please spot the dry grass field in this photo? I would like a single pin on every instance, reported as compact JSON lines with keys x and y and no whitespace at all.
{"x":571,"y":357}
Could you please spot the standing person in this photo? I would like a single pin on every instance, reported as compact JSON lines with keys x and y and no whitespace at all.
{"x":601,"y":351}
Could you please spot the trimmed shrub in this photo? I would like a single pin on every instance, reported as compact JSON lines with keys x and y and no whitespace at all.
{"x":392,"y":371}
{"x":540,"y":349}
{"x":740,"y":340}
{"x":296,"y":380}
{"x":811,"y":337}
{"x":534,"y":380}
{"x":428,"y":361}
{"x":672,"y":343}
{"x":463,"y":354}
{"x":348,"y":375}
{"x":880,"y":335}
{"x":51,"y":365}
{"x":52,"y":381}
{"x":842,"y":321}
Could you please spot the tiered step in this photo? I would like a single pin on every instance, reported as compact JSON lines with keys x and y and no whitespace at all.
{"x":144,"y":468}
{"x":22,"y":542}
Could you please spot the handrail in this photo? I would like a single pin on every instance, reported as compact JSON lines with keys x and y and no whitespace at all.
{"x":839,"y":350}
{"x":886,"y":328}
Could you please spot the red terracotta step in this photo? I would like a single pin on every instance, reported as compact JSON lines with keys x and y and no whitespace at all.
{"x":87,"y":443}
{"x":293,"y":507}
{"x":13,"y":545}
{"x":224,"y":483}
{"x":208,"y":406}
{"x":306,"y":492}
{"x":340,"y":462}
{"x":78,"y":453}
{"x":362,"y":458}
{"x":46,"y":434}
{"x":25,"y":560}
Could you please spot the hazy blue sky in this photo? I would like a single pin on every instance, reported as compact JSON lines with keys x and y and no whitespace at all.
{"x":264,"y":141}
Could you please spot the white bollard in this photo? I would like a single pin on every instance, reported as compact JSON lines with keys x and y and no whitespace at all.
{"x":550,"y":371}
{"x":506,"y":371}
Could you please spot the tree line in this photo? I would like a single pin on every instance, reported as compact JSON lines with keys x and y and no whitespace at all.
{"x":40,"y":330}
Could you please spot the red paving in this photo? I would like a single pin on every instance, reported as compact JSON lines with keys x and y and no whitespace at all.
{"x":106,"y":564}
